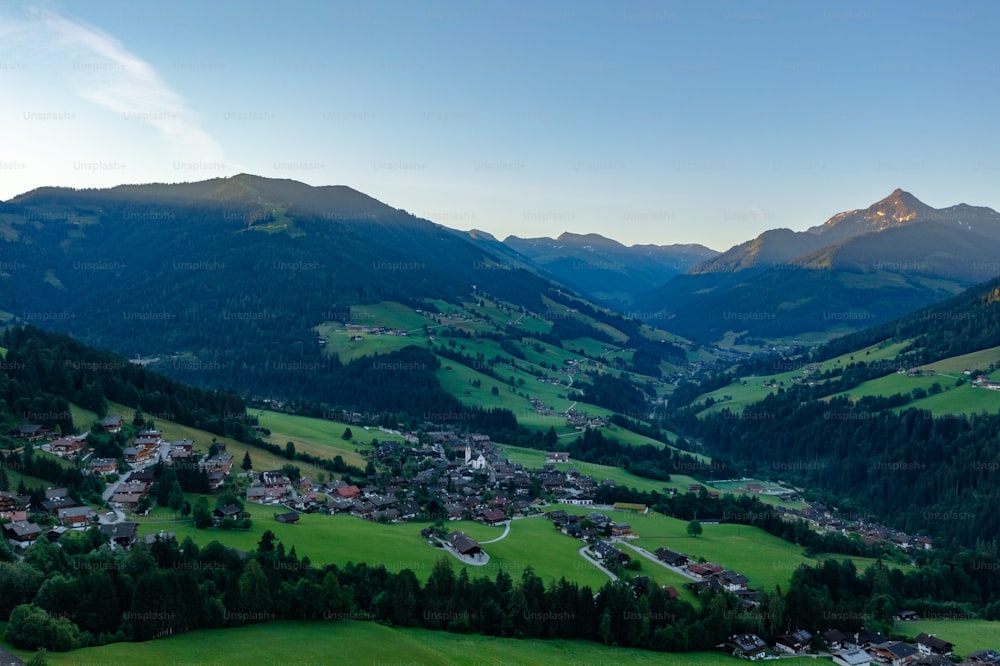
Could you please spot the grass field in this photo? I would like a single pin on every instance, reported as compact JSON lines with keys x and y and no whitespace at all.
{"x":967,"y":635}
{"x":262,"y":459}
{"x":533,"y":459}
{"x":321,"y":437}
{"x":368,"y":643}
{"x":342,"y":539}
{"x":751,"y":389}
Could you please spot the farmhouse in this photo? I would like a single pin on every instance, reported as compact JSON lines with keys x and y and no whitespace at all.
{"x":852,"y":657}
{"x":745,"y":646}
{"x":557,"y":456}
{"x":621,"y":529}
{"x":464,"y":545}
{"x":670,"y":557}
{"x":984,"y":657}
{"x":21,"y":533}
{"x":795,"y":642}
{"x":931,"y":644}
{"x":894,"y":653}
{"x":289,"y":518}
{"x":67,"y":446}
{"x":76,"y":517}
{"x":121,"y":535}
{"x":31,"y":432}
{"x":103,"y":466}
{"x":112,"y":424}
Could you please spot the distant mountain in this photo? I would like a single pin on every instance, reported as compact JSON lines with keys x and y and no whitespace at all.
{"x":235,"y":271}
{"x":859,"y":268}
{"x":606,"y":270}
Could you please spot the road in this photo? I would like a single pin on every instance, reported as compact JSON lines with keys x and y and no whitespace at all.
{"x":584,"y":555}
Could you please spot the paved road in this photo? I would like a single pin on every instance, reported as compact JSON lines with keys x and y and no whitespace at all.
{"x":584,"y":555}
{"x":502,"y":536}
{"x":649,"y":556}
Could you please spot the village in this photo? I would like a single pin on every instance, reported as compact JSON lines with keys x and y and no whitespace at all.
{"x":460,"y":477}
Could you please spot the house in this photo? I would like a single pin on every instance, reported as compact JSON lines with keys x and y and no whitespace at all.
{"x":931,"y":644}
{"x":621,"y":529}
{"x":256,"y":493}
{"x":794,"y":642}
{"x":21,"y":533}
{"x":865,"y":639}
{"x":121,"y":535}
{"x":139,"y":455}
{"x":706,"y":569}
{"x":907,"y":615}
{"x":289,"y":518}
{"x":464,"y":545}
{"x":493,"y":516}
{"x":67,"y":446}
{"x":348,"y":492}
{"x":852,"y":657}
{"x":670,"y":557}
{"x":54,"y":506}
{"x":102,"y":466}
{"x":733,"y":582}
{"x":76,"y":517}
{"x":112,"y":424}
{"x":605,"y":551}
{"x":931,"y":660}
{"x":671,"y":592}
{"x":557,"y":456}
{"x":745,"y":646}
{"x":12,"y":501}
{"x":231,"y":511}
{"x":834,"y":639}
{"x":31,"y":432}
{"x":895,"y":653}
{"x":983,"y":657}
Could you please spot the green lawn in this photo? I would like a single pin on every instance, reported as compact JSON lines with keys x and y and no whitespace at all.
{"x":321,"y":437}
{"x":262,"y":460}
{"x":967,"y":635}
{"x":342,"y":539}
{"x":533,"y":459}
{"x":355,"y":642}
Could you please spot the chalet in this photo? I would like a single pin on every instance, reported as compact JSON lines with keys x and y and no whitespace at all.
{"x":557,"y":456}
{"x":558,"y":517}
{"x":895,"y":653}
{"x":21,"y":533}
{"x":112,"y":424}
{"x":139,"y":455}
{"x":931,"y":644}
{"x":865,"y":639}
{"x":231,"y":511}
{"x":621,"y":529}
{"x":67,"y":446}
{"x":409,"y":510}
{"x":983,"y":657}
{"x":464,"y":545}
{"x":907,"y":615}
{"x":745,"y":646}
{"x":76,"y":517}
{"x":706,"y":569}
{"x":149,"y":438}
{"x":348,"y":492}
{"x":931,"y":660}
{"x":12,"y":501}
{"x":102,"y":466}
{"x":605,"y":551}
{"x":54,"y":506}
{"x":579,"y":499}
{"x":56,"y":493}
{"x":834,"y":639}
{"x":852,"y":657}
{"x":493,"y":517}
{"x":795,"y":642}
{"x":670,"y":557}
{"x":734,"y":582}
{"x":671,"y":592}
{"x":256,"y":494}
{"x":289,"y":518}
{"x":121,"y":535}
{"x":31,"y":432}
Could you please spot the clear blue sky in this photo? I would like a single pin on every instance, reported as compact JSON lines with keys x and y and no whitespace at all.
{"x":659,"y":122}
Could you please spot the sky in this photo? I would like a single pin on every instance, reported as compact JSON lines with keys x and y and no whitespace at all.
{"x":659,"y":122}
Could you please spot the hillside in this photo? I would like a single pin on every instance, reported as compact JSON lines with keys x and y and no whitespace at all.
{"x":892,"y":420}
{"x":859,"y":268}
{"x":222,"y":283}
{"x":605,"y":270}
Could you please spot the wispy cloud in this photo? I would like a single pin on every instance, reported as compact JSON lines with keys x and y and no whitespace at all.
{"x":101,"y":70}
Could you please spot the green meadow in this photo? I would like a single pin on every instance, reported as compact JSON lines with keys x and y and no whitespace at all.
{"x":357,"y":642}
{"x":967,"y":635}
{"x":321,"y":437}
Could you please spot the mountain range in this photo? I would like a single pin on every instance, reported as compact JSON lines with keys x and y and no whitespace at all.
{"x":859,"y":268}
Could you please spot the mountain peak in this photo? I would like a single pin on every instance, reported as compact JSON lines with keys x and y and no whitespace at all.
{"x":897,"y":209}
